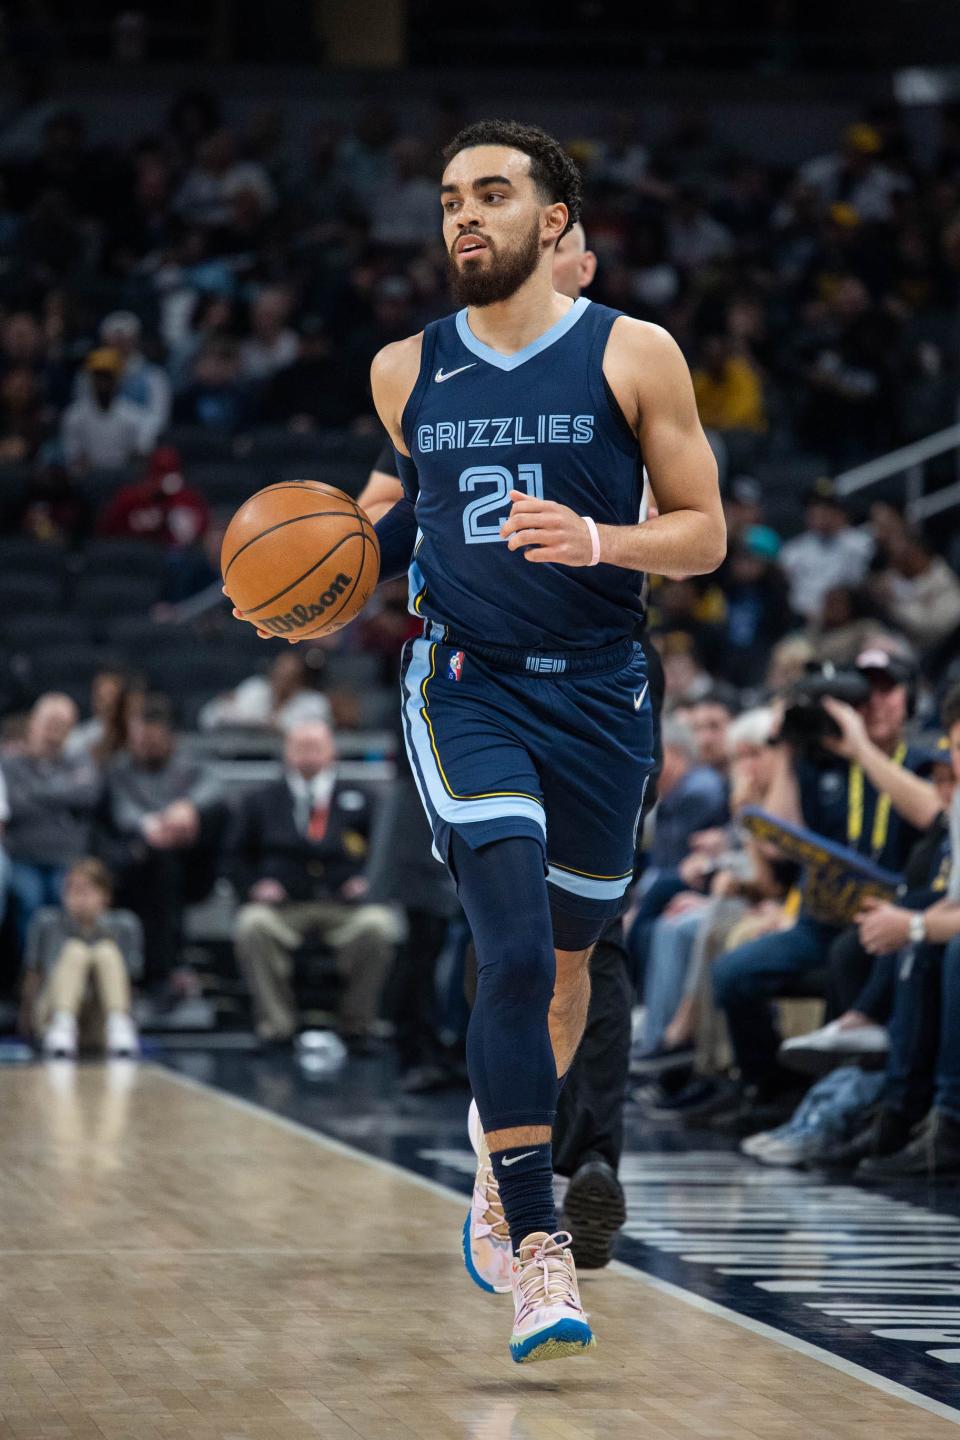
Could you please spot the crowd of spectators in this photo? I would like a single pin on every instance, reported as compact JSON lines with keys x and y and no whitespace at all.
{"x":201,"y":274}
{"x":197,"y":287}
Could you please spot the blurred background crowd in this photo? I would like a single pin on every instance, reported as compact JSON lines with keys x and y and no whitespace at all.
{"x":188,"y":310}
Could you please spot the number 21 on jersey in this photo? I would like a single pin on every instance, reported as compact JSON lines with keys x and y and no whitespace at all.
{"x":475,"y":531}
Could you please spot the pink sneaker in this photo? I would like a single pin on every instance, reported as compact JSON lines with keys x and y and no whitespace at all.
{"x":487,"y":1252}
{"x":549,"y":1321}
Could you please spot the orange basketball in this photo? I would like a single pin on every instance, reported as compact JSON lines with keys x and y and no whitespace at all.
{"x":300,"y":558}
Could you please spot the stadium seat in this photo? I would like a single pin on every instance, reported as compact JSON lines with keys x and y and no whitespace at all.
{"x":124,"y":557}
{"x":37,"y":632}
{"x":69,"y":667}
{"x":100,"y":485}
{"x":197,"y":668}
{"x":226,"y":483}
{"x":28,"y":595}
{"x":355,"y":671}
{"x":115,"y":594}
{"x":197,"y":445}
{"x":19,"y":555}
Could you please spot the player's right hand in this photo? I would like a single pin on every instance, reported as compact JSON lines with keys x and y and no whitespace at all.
{"x":239,"y":615}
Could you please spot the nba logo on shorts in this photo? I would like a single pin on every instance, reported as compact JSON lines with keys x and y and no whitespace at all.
{"x":455,"y":668}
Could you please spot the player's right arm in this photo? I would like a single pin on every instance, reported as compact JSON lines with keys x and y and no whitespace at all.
{"x":393,"y":375}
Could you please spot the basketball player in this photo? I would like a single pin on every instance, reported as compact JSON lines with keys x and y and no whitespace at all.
{"x":588,"y":1133}
{"x":521,"y":425}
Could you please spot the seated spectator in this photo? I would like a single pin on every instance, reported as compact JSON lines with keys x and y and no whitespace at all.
{"x":856,"y":174}
{"x":757,"y":610}
{"x":727,"y":870}
{"x":830,"y":552}
{"x":728,"y":388}
{"x":51,"y":796}
{"x":72,"y":944}
{"x":217,"y":397}
{"x":862,"y":791}
{"x":692,"y":792}
{"x":272,"y":344}
{"x":921,"y":592}
{"x":790,"y":661}
{"x":298,"y":856}
{"x":52,"y":511}
{"x":101,"y":430}
{"x":277,"y":701}
{"x":158,"y":826}
{"x":162,"y":508}
{"x":114,"y":697}
{"x":915,"y":1132}
{"x":142,"y":383}
{"x":860,"y":981}
{"x":849,"y":621}
{"x":710,"y":717}
{"x":23,"y":416}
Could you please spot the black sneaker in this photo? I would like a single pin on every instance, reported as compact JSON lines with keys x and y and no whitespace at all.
{"x":594,"y":1210}
{"x":659,"y":1061}
{"x":699,"y":1098}
{"x":932,"y":1154}
{"x":887,"y":1132}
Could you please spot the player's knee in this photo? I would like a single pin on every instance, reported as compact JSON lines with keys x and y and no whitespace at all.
{"x":521,"y":970}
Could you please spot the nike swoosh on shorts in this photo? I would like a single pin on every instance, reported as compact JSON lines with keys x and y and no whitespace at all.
{"x":639,"y":699}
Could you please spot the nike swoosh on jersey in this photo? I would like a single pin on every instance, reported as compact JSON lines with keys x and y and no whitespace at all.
{"x":440,"y":377}
{"x":517,"y":1158}
{"x":639,"y":699}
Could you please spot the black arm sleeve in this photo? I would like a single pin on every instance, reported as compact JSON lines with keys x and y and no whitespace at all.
{"x":387,"y":460}
{"x":397,"y":533}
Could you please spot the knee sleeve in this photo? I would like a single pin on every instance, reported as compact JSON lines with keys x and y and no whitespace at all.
{"x":509,"y":1055}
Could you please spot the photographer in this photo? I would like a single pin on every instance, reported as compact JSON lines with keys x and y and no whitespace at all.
{"x":921,"y":934}
{"x":855,"y":785}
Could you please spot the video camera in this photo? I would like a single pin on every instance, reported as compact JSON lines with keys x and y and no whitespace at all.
{"x":806,"y":725}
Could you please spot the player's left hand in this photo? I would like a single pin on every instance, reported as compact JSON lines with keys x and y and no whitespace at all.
{"x":548,"y":533}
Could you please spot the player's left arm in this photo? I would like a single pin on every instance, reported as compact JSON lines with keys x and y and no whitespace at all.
{"x":650,"y":379}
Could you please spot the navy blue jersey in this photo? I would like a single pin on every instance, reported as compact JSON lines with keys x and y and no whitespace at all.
{"x":480,"y":424}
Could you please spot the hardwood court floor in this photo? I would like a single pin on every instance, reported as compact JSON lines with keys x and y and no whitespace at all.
{"x":174,"y":1265}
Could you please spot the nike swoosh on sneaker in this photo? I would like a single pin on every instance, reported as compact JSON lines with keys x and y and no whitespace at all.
{"x":440,"y":377}
{"x":517,"y":1158}
{"x":639,"y":699}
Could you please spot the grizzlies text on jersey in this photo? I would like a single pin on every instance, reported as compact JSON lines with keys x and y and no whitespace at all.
{"x":480,"y":424}
{"x":526,"y":706}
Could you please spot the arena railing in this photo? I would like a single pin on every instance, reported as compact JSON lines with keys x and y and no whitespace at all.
{"x":909,"y":462}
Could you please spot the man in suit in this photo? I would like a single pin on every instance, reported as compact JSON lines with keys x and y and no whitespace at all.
{"x":298,"y":854}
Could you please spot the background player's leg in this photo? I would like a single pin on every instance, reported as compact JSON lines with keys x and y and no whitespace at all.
{"x":513,"y":1071}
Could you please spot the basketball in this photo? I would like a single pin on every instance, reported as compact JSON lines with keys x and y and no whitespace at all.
{"x":300,"y":559}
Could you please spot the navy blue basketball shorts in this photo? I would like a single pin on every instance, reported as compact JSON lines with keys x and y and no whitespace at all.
{"x":555,"y":747}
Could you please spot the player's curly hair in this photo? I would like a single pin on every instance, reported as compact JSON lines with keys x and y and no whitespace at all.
{"x":552,"y":170}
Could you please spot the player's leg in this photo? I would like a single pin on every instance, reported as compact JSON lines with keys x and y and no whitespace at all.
{"x":513,"y":1073}
{"x":571,"y":1000}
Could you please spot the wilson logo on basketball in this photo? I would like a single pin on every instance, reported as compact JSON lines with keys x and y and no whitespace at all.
{"x":301,"y":615}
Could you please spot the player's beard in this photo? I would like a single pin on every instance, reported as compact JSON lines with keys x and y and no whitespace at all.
{"x":488,"y":282}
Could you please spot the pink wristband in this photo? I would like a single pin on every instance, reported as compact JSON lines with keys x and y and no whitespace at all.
{"x":591,"y":525}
